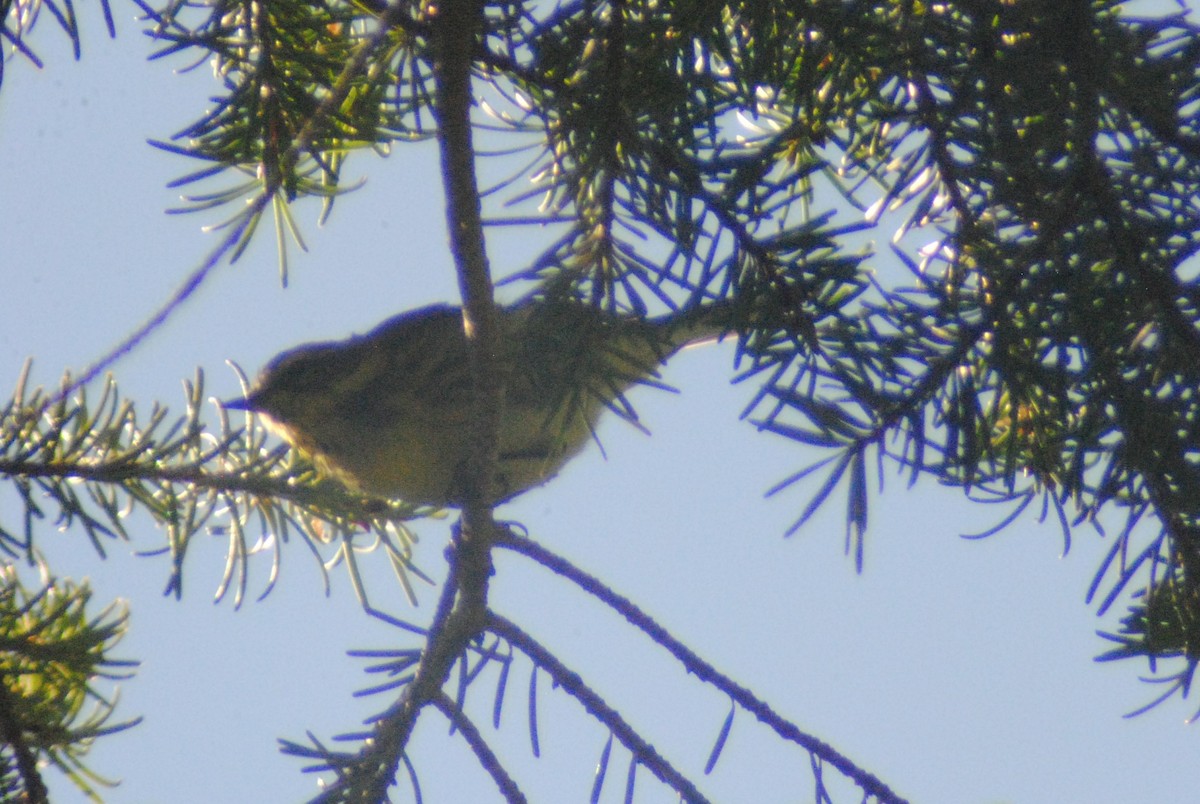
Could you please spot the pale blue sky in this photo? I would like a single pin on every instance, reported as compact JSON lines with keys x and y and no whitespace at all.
{"x":956,"y":671}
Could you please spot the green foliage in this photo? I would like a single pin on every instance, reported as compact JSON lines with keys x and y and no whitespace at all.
{"x":1039,"y":161}
{"x":52,"y":653}
{"x":95,"y":463}
{"x":305,"y":85}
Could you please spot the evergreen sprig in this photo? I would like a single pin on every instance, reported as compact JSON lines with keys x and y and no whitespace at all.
{"x":1039,"y":162}
{"x":91,"y":464}
{"x":19,"y":18}
{"x":52,"y":654}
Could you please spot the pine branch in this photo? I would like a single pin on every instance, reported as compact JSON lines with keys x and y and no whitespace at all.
{"x":98,"y":463}
{"x":644,"y":753}
{"x":487,"y":759}
{"x":52,"y":654}
{"x":696,"y":666}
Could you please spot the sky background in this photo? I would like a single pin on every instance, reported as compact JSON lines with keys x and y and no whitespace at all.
{"x":957,"y":671}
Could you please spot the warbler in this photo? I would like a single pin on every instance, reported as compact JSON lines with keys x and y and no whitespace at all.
{"x":388,"y":412}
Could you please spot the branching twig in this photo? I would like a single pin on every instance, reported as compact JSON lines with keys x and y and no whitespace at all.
{"x":13,"y":735}
{"x":644,"y":752}
{"x":461,"y":613}
{"x":870,"y":784}
{"x":483,"y":751}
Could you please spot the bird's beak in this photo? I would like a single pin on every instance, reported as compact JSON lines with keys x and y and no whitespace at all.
{"x":246,"y":403}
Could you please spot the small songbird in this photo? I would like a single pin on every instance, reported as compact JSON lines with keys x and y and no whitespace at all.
{"x":387,"y":413}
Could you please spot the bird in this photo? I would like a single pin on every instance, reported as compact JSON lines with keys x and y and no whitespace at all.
{"x":388,"y":412}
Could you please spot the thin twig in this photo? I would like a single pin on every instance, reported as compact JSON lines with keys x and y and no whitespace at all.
{"x":483,"y":752}
{"x":697,"y":666}
{"x":570,"y":681}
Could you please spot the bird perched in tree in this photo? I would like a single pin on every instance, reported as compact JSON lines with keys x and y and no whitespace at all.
{"x":388,"y":412}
